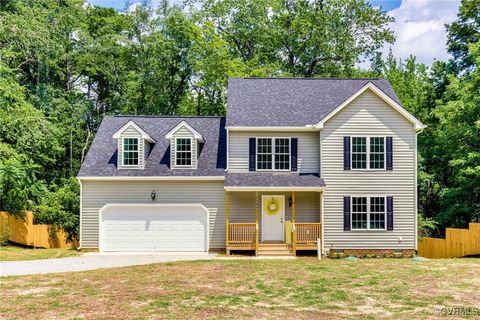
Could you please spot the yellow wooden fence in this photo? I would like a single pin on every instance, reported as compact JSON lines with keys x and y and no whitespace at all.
{"x":457,"y":243}
{"x":29,"y":234}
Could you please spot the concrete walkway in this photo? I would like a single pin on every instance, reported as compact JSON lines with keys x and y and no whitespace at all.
{"x":92,"y":261}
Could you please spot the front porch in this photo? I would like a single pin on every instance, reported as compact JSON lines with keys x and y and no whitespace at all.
{"x":294,"y":226}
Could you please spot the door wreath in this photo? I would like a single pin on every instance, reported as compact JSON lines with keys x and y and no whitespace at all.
{"x":272,"y":207}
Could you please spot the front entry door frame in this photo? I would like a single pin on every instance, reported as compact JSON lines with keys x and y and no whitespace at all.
{"x":282,"y":215}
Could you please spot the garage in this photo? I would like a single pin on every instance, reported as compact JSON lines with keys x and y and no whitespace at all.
{"x":153,"y":227}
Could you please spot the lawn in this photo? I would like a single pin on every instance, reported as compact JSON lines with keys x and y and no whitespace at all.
{"x":243,"y":289}
{"x":13,"y":253}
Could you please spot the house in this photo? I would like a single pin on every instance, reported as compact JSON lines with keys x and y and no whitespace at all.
{"x":293,"y":161}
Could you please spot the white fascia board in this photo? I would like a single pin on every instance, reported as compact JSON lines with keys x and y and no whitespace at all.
{"x":233,"y":188}
{"x":278,"y":129}
{"x":418,"y":125}
{"x":130,"y":123}
{"x":183,"y":123}
{"x":155,"y":178}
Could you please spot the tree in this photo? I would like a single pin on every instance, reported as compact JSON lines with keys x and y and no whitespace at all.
{"x":463,"y":32}
{"x":458,"y":141}
{"x":299,"y":37}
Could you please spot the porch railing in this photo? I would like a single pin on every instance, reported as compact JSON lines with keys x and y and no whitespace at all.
{"x":308,"y":233}
{"x":243,"y":233}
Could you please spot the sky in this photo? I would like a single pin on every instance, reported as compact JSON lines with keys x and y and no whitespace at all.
{"x":419,"y":26}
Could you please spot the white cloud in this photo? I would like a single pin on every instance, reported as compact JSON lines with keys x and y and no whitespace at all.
{"x":420,"y":29}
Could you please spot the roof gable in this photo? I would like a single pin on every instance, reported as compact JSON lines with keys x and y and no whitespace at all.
{"x":291,"y":102}
{"x":129,"y":124}
{"x":418,"y":125}
{"x":184,"y":124}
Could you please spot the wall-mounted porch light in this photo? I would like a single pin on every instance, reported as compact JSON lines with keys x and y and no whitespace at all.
{"x":290,"y":201}
{"x":153,"y":195}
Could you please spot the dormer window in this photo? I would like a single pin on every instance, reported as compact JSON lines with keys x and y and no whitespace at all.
{"x":130,"y":151}
{"x":185,"y":143}
{"x":133,"y":146}
{"x":183,"y":152}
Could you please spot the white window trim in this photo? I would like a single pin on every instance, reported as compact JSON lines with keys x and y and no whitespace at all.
{"x":273,"y":154}
{"x":368,"y":153}
{"x":368,"y":196}
{"x":123,"y":153}
{"x":191,"y":154}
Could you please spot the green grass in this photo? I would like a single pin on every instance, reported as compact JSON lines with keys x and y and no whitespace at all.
{"x":14,"y":253}
{"x":243,"y":289}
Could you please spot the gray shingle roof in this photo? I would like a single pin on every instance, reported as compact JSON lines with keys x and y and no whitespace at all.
{"x":290,"y":101}
{"x":101,"y":159}
{"x":272,"y":179}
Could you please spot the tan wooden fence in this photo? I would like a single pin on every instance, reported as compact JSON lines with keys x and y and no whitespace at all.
{"x":457,"y":243}
{"x":29,"y":234}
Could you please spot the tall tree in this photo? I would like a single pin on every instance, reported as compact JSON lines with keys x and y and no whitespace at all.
{"x":463,"y":32}
{"x":457,"y":139}
{"x":300,"y":37}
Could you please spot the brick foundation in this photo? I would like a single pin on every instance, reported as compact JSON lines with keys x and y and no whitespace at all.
{"x":378,"y":253}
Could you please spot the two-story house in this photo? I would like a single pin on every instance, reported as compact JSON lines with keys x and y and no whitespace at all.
{"x":295,"y":161}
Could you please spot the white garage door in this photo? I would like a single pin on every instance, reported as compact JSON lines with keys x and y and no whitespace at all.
{"x":154,"y":228}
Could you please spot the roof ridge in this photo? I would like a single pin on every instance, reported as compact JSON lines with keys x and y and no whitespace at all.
{"x":293,"y":78}
{"x":162,"y":116}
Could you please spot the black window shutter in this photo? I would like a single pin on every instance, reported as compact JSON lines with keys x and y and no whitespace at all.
{"x":389,"y":213}
{"x":252,"y":154}
{"x":346,"y":213}
{"x":389,"y":153}
{"x":346,"y":153}
{"x":293,"y":153}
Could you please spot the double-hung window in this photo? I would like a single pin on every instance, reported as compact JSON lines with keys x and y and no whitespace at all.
{"x":130,"y":151}
{"x":368,"y":153}
{"x":273,"y":154}
{"x":183,"y":152}
{"x":368,"y":213}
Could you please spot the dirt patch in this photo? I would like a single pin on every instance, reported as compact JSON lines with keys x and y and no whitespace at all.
{"x":32,"y":291}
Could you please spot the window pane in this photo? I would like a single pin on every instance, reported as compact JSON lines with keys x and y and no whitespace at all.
{"x":130,"y":151}
{"x":282,"y":154}
{"x":377,"y":213}
{"x":377,"y":153}
{"x":359,"y":213}
{"x":183,"y":152}
{"x":359,"y":152}
{"x":264,"y":154}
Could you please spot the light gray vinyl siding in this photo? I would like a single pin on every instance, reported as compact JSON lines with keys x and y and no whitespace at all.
{"x":369,"y":115}
{"x":183,"y":132}
{"x":95,"y":194}
{"x":131,"y":132}
{"x":146,"y":150}
{"x":242,"y":207}
{"x":308,"y":149}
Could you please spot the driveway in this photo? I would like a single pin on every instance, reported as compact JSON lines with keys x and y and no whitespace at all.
{"x":92,"y":261}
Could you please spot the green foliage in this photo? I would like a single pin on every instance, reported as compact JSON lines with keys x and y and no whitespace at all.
{"x":4,"y":233}
{"x":458,"y":141}
{"x":19,"y":187}
{"x":462,"y":32}
{"x":426,"y":226}
{"x":299,"y":37}
{"x":61,"y":209}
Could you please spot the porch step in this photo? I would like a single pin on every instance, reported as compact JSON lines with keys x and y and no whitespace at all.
{"x":274,"y":249}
